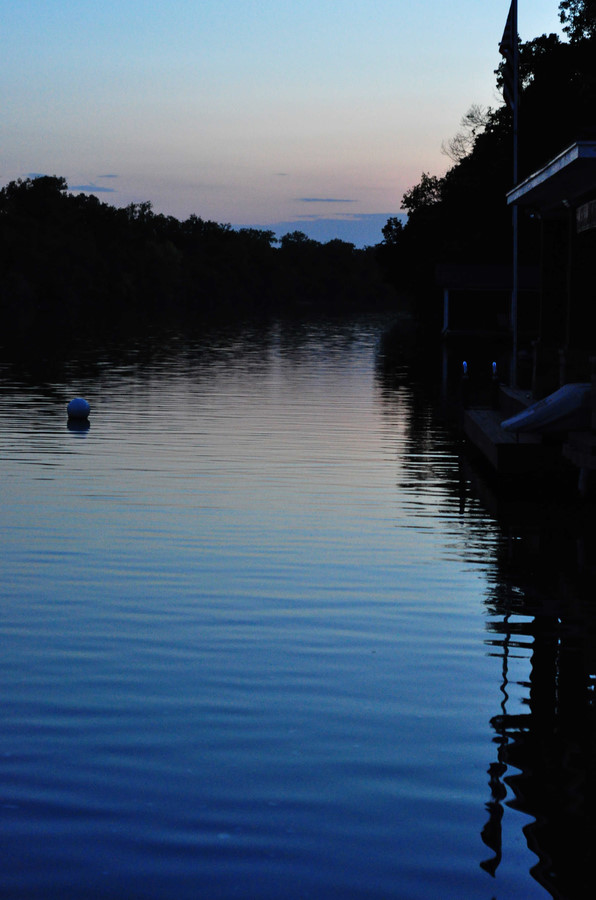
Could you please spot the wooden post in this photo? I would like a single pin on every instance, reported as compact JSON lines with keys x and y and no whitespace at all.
{"x":445,"y":309}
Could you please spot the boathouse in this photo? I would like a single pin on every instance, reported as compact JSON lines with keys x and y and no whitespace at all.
{"x":476,"y":317}
{"x":477,"y":298}
{"x":562,"y":195}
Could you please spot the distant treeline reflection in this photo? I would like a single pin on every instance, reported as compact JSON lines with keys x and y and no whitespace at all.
{"x":72,"y":257}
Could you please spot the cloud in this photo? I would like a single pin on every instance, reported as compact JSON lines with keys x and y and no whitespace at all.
{"x":107,"y":176}
{"x":92,"y":189}
{"x":323,"y":200}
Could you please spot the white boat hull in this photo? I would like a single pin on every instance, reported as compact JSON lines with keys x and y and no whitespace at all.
{"x":568,"y":409}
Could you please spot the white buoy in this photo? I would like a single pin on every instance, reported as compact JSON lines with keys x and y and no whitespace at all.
{"x":78,"y":408}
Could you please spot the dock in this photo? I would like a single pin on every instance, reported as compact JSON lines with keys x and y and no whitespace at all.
{"x":509,"y":453}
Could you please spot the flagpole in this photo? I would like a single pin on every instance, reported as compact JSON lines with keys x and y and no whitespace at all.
{"x":515,"y":280}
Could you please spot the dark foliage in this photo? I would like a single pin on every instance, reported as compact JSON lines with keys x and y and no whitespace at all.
{"x":463,"y":217}
{"x":578,"y":18}
{"x":73,"y":260}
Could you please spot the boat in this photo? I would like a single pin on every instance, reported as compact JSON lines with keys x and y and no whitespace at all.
{"x":568,"y":409}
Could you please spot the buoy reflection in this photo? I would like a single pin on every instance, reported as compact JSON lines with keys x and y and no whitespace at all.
{"x":78,"y":426}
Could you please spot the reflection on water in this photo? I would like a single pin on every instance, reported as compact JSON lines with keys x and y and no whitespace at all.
{"x":266,"y":633}
{"x":543,"y":628}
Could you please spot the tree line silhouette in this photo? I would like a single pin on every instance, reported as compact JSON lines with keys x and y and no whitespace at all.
{"x":73,"y":259}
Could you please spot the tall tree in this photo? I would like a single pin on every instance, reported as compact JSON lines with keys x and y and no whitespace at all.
{"x":578,"y":18}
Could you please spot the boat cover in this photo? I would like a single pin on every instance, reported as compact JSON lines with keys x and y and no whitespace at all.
{"x":568,"y":409}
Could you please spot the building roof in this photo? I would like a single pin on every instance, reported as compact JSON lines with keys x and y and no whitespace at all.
{"x":564,"y":181}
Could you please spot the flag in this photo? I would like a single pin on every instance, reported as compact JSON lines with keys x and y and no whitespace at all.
{"x":507,"y":49}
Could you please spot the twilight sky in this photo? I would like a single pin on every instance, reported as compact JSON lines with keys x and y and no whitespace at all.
{"x":309,"y":114}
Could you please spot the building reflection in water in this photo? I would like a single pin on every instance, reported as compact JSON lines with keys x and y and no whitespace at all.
{"x":542,"y":621}
{"x":543,"y":609}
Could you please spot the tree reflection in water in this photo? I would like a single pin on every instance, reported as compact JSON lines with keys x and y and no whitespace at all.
{"x":543,"y":607}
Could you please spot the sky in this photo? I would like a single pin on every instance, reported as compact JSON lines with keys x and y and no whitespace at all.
{"x":311,"y":115}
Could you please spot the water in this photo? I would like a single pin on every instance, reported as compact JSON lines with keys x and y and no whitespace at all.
{"x":261,"y":638}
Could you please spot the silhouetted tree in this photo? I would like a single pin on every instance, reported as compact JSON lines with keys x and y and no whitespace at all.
{"x":70,"y":259}
{"x":578,"y":18}
{"x":463,"y":216}
{"x":392,"y":231}
{"x":462,"y":143}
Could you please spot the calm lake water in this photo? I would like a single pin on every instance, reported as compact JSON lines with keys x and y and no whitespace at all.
{"x":266,"y":635}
